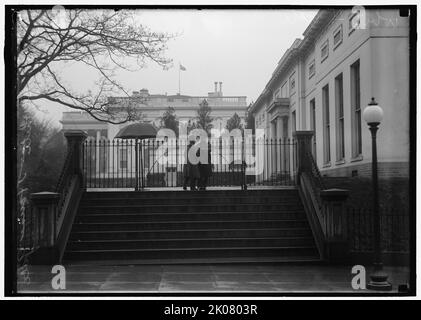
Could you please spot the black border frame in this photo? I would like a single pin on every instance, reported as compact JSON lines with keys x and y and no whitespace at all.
{"x":10,"y":152}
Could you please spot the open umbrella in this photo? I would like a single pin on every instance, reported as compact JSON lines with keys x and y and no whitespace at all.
{"x":137,"y":131}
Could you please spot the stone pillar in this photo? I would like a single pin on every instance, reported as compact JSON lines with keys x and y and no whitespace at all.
{"x":333,"y":211}
{"x":268,"y":150}
{"x":44,"y":209}
{"x":75,"y":139}
{"x":303,"y":139}
{"x":280,"y":148}
{"x":279,"y":127}
{"x":273,"y":130}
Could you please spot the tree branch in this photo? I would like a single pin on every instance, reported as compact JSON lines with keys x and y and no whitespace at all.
{"x":98,"y":39}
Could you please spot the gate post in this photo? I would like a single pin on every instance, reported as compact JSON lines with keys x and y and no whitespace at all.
{"x":44,"y":206}
{"x":75,"y":139}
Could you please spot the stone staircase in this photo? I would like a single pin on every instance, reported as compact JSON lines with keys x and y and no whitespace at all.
{"x":187,"y":227}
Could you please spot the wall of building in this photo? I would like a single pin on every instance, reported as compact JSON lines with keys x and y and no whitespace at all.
{"x":381,"y":45}
{"x":384,"y":74}
{"x":354,"y":47}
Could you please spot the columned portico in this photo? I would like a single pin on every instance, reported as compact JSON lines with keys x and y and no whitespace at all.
{"x":279,"y":127}
{"x":278,"y":112}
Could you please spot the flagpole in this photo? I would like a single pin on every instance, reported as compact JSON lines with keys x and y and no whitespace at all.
{"x":179,"y":72}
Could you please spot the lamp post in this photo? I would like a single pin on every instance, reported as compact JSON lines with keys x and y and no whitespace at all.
{"x":373,"y":115}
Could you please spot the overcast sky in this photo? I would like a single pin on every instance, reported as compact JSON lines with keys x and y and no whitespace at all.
{"x":241,"y":48}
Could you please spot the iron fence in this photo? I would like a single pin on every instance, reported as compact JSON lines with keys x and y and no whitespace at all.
{"x":152,"y":163}
{"x":394,"y":230}
{"x":28,"y":231}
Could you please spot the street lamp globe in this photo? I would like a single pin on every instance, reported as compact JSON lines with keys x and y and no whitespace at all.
{"x":373,"y":114}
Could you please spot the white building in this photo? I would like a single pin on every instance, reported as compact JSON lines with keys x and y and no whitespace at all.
{"x":324,"y":81}
{"x":153,"y":106}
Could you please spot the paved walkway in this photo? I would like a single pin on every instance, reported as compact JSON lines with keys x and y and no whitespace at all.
{"x":200,"y":278}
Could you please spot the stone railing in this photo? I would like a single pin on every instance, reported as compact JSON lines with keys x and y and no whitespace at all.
{"x":54,"y":212}
{"x":324,"y":207}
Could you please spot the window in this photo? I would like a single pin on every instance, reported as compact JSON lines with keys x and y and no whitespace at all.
{"x":356,"y":110}
{"x":324,"y":52}
{"x":339,"y":102}
{"x":326,"y":125}
{"x":313,"y":125}
{"x":276,"y":94}
{"x":337,"y":37}
{"x":292,"y":83}
{"x":354,"y":21}
{"x":284,"y":90}
{"x":170,"y":99}
{"x":123,"y":158}
{"x":294,"y":122}
{"x":311,"y":69}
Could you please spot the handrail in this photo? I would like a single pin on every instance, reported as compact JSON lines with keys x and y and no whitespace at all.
{"x":70,"y":189}
{"x":314,"y":178}
{"x":54,"y":212}
{"x":310,"y":185}
{"x":315,"y":170}
{"x":63,"y":182}
{"x":313,"y":211}
{"x":69,"y":209}
{"x":324,"y":207}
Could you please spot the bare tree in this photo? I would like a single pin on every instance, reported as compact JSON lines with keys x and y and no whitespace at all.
{"x":102,"y":40}
{"x":204,"y":118}
{"x":169,"y":120}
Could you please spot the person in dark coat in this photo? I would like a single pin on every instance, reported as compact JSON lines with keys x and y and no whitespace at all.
{"x":190,"y":171}
{"x":205,"y":170}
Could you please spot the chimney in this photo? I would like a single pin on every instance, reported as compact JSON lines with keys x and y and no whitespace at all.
{"x":216,"y":86}
{"x":220,"y":87}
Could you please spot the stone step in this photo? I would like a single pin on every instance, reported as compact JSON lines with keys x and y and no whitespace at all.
{"x":192,"y":201}
{"x":189,"y":233}
{"x":190,"y":194}
{"x":188,"y":216}
{"x":183,"y":224}
{"x":213,"y":225}
{"x":187,"y":253}
{"x":189,"y":243}
{"x":204,"y":207}
{"x":289,"y":260}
